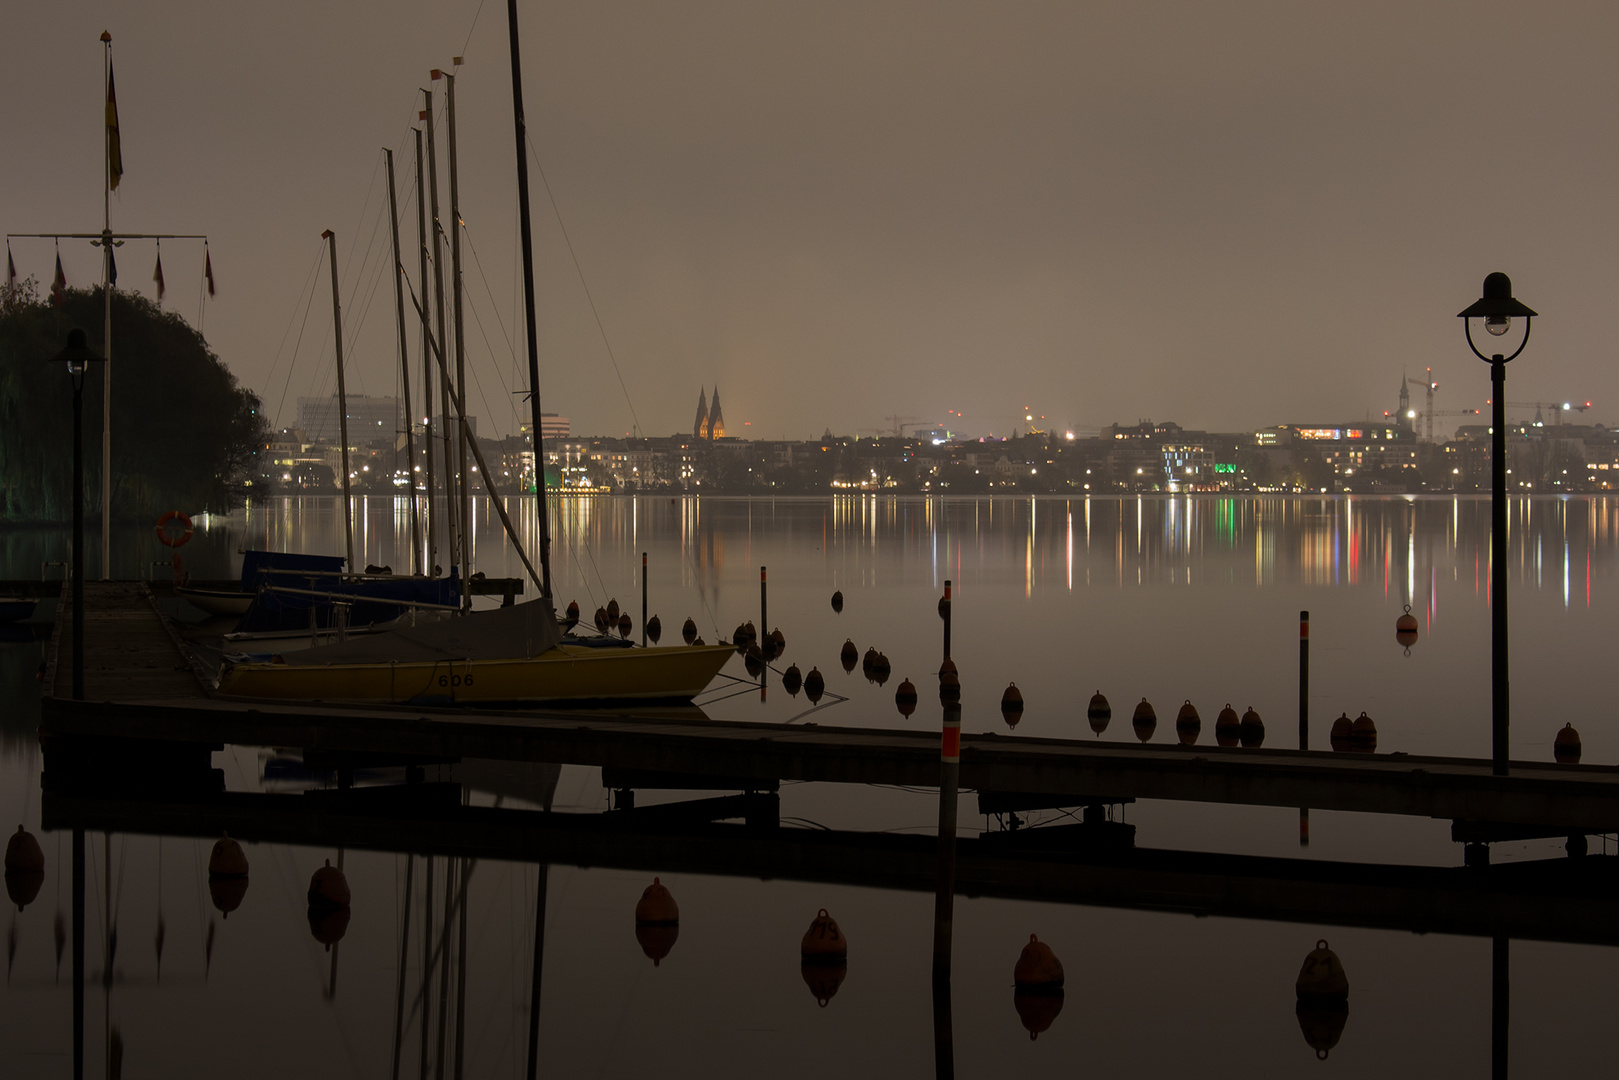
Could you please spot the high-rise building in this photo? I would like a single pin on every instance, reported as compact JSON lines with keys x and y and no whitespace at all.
{"x":369,"y":418}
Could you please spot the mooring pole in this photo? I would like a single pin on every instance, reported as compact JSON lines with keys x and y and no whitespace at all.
{"x":1304,"y":713}
{"x":764,"y":607}
{"x":78,"y":954}
{"x":643,"y":599}
{"x":944,"y":1050}
{"x":944,"y":897}
{"x":1500,"y":1005}
{"x":944,"y":613}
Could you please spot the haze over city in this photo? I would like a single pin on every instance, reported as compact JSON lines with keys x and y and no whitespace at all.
{"x":1224,"y":214}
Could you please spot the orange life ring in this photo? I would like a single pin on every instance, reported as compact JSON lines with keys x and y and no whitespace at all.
{"x":163,"y":535}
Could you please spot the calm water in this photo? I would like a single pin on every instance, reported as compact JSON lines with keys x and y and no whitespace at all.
{"x":1168,"y":599}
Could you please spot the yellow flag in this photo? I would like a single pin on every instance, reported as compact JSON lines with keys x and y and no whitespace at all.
{"x":115,"y":153}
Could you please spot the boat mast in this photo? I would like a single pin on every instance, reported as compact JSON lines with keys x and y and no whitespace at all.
{"x":404,"y":372}
{"x":427,"y":357}
{"x":342,"y":399}
{"x":520,"y":128}
{"x":460,"y":350}
{"x":106,"y":317}
{"x":438,"y":303}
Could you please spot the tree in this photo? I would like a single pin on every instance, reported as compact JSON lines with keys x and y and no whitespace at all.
{"x":186,"y":436}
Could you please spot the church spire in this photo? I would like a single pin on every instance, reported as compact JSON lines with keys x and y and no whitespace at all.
{"x":699,"y":430}
{"x":716,"y":419}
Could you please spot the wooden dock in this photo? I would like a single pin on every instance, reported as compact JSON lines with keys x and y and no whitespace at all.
{"x":140,"y":684}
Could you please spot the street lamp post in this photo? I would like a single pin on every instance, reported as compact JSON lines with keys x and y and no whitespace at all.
{"x":78,"y":356}
{"x":1497,"y":308}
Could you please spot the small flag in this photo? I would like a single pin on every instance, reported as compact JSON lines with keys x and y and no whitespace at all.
{"x":115,"y":149}
{"x":208,"y":268}
{"x":11,"y":269}
{"x":59,"y":283}
{"x":157,"y":275}
{"x":112,"y":268}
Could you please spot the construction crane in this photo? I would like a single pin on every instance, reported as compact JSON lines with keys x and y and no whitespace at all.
{"x":1557,"y":408}
{"x":1427,"y":417}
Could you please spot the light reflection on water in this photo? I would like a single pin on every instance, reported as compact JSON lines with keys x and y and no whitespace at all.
{"x":1167,"y":598}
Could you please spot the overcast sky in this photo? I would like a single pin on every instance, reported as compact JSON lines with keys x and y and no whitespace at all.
{"x":1226,"y":214}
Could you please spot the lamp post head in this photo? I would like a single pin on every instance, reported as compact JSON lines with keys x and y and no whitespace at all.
{"x":77,"y":354}
{"x":1497,"y":308}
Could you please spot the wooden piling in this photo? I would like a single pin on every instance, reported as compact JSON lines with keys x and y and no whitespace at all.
{"x":945,"y":888}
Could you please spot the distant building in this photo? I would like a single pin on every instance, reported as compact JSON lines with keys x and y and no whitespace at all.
{"x":699,"y":429}
{"x":369,"y":418}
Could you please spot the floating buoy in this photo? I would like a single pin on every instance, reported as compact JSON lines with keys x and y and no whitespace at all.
{"x":1322,"y":976}
{"x":948,"y":667}
{"x":739,"y":637}
{"x":656,"y":939}
{"x":751,"y":630}
{"x":850,"y":654}
{"x":869,"y":661}
{"x":753,"y":661}
{"x":823,"y":941}
{"x":624,"y":625}
{"x":814,"y":685}
{"x":23,"y":853}
{"x":688,"y":633}
{"x":1145,"y":721}
{"x":944,"y":607}
{"x":1322,"y":1023}
{"x":573,"y":612}
{"x":1363,"y":735}
{"x":328,"y":887}
{"x":1252,"y":730}
{"x":699,"y":641}
{"x":1037,"y":966}
{"x":657,"y":905}
{"x":792,"y":680}
{"x":1188,"y":724}
{"x":1340,"y":735}
{"x":1227,"y":726}
{"x":22,"y":886}
{"x":1405,"y":630}
{"x":329,"y":924}
{"x":767,"y":648}
{"x":227,"y":893}
{"x":837,"y":601}
{"x":949,"y":686}
{"x":823,"y":978}
{"x":905,"y":698}
{"x":227,"y":860}
{"x":1098,"y":712}
{"x":881,"y":669}
{"x":612,"y":612}
{"x":1037,"y":1009}
{"x":1565,"y":748}
{"x":654,"y":629}
{"x":1011,"y":705}
{"x":600,"y":619}
{"x":779,"y":640}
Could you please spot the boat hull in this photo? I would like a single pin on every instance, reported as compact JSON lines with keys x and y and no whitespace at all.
{"x":216,"y":601}
{"x":564,"y":674}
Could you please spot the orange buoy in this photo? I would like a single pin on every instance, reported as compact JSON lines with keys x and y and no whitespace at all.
{"x":949,"y":686}
{"x":739,"y":637}
{"x":850,"y":654}
{"x":1405,"y":630}
{"x":753,"y":661}
{"x":23,"y":854}
{"x":944,"y":607}
{"x":1011,"y":705}
{"x":837,"y":601}
{"x":1565,"y":748}
{"x":1322,"y":976}
{"x":881,"y":669}
{"x":1363,"y":735}
{"x":1037,"y":965}
{"x":814,"y":685}
{"x":689,"y":632}
{"x":1037,"y":1009}
{"x":1227,"y":726}
{"x":1099,"y":712}
{"x":824,"y":941}
{"x":779,"y":640}
{"x":624,"y":625}
{"x":1145,"y":721}
{"x":823,"y":978}
{"x":573,"y":612}
{"x":22,"y":887}
{"x":654,"y":629}
{"x":329,"y":924}
{"x":869,"y":661}
{"x":752,"y":631}
{"x":905,"y":697}
{"x":656,"y":939}
{"x":1322,"y":1023}
{"x":1341,"y":733}
{"x":657,"y":905}
{"x":699,"y":641}
{"x":600,"y":619}
{"x":612,"y":612}
{"x":1252,"y":729}
{"x":948,"y":665}
{"x":792,"y":680}
{"x":328,"y":887}
{"x":227,"y":893}
{"x":1188,"y":724}
{"x":227,"y":860}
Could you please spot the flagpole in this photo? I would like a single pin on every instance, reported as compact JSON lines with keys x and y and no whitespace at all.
{"x":106,"y":318}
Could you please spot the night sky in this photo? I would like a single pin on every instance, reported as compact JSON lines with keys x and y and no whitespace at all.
{"x":1223,"y":214}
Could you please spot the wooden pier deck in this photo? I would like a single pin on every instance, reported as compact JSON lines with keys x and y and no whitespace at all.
{"x":140,"y":685}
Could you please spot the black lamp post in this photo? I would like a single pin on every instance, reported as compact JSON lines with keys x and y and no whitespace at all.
{"x":78,"y":356}
{"x":1497,"y":308}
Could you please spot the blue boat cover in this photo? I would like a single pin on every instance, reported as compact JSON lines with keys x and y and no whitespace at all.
{"x":276,"y":609}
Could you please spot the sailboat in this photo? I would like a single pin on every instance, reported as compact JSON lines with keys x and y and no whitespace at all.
{"x":508,"y":656}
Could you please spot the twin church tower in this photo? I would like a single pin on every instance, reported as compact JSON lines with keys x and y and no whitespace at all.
{"x":710,"y":421}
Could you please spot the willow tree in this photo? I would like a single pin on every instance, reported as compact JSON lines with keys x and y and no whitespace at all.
{"x":185,"y":435}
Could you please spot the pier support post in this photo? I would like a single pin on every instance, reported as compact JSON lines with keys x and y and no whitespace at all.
{"x":78,"y":954}
{"x":643,"y":599}
{"x":1500,"y":1005}
{"x":1304,"y":713}
{"x":944,"y":613}
{"x":944,"y":898}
